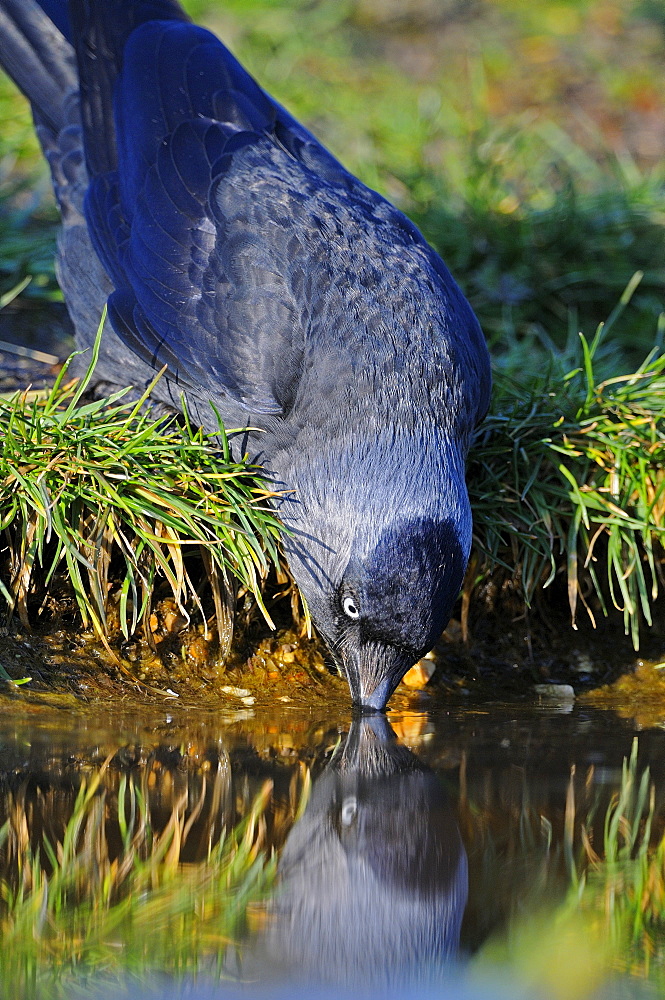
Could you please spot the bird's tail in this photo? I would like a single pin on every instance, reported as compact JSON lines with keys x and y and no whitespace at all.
{"x":39,"y":59}
{"x":36,"y":39}
{"x":103,"y":27}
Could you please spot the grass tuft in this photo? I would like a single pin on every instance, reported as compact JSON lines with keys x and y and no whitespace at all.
{"x":576,"y":461}
{"x":116,"y":497}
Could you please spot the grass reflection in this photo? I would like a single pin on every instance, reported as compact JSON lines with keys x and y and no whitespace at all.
{"x":611,"y":923}
{"x":111,"y":895}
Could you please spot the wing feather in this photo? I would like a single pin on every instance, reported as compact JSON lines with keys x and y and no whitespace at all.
{"x":221,"y":229}
{"x":200,"y":287}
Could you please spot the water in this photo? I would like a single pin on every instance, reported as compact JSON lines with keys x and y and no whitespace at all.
{"x":427,"y":840}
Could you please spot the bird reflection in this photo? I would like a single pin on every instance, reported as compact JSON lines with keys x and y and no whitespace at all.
{"x":373,"y":877}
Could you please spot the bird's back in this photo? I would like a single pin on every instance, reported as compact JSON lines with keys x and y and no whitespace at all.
{"x":244,"y":256}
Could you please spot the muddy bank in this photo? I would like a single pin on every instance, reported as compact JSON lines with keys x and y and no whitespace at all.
{"x":528,"y":659}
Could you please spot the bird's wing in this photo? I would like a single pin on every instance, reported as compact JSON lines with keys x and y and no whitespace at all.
{"x":198,"y":227}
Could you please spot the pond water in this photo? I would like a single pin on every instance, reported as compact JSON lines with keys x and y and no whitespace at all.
{"x":432,"y":852}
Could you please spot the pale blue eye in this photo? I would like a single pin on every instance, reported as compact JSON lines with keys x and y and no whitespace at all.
{"x":350,"y":607}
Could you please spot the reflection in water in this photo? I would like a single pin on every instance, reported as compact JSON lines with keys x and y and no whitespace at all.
{"x":373,"y":876}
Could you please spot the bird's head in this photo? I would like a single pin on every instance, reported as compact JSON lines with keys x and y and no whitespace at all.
{"x":380,"y":562}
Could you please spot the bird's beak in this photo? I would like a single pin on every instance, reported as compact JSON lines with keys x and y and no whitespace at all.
{"x":373,"y":671}
{"x":377,"y":698}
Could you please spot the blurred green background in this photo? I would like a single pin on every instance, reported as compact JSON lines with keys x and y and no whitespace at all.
{"x":526,"y":140}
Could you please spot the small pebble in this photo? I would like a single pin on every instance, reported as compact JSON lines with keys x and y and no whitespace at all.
{"x":419,"y":675}
{"x":555,"y":692}
{"x":198,"y":649}
{"x":582,"y":664}
{"x":174,"y":621}
{"x":236,"y":691}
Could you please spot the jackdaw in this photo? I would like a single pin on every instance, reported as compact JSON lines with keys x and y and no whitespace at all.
{"x":233,"y":248}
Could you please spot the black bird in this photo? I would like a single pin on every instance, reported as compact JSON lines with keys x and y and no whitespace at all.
{"x":232,"y":247}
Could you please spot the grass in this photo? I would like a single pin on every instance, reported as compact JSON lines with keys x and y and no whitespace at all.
{"x":536,"y":276}
{"x":28,"y":218}
{"x":578,"y":462}
{"x":111,"y":896}
{"x":115,"y":497}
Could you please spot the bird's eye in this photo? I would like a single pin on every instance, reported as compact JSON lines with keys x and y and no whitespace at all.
{"x":349,"y":810}
{"x":350,"y":607}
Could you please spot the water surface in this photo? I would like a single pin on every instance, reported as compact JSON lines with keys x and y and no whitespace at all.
{"x":405,"y":846}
